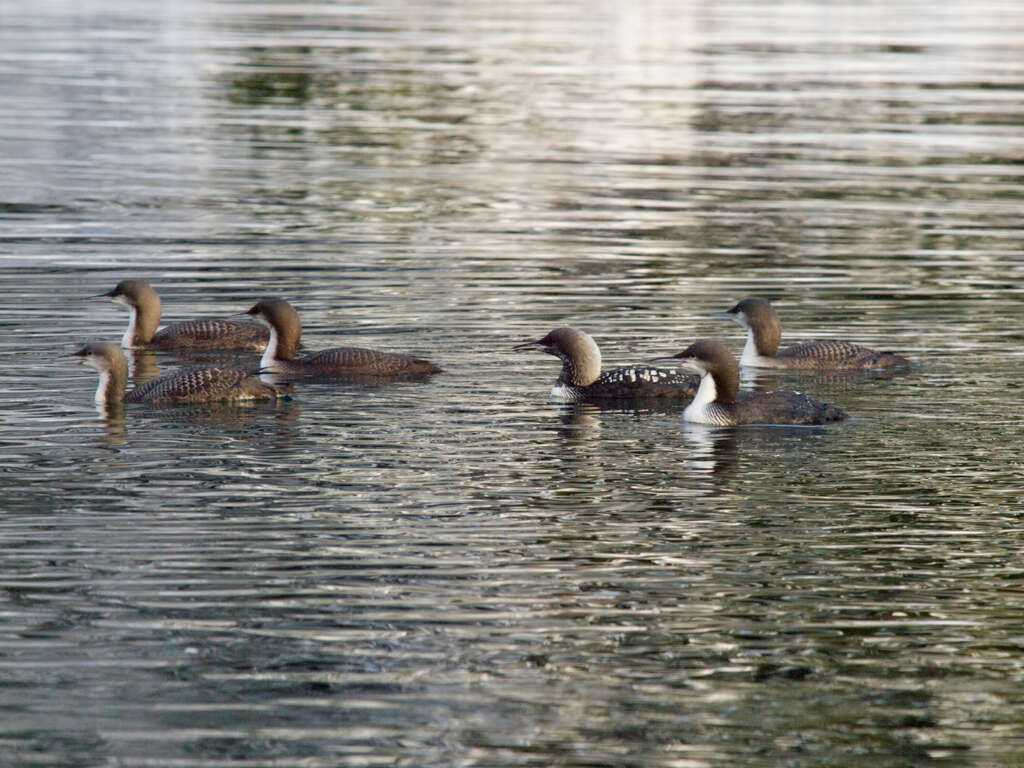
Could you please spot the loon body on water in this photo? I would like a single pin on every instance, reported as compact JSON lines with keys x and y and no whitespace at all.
{"x":719,"y":402}
{"x":762,"y":348}
{"x":198,"y":335}
{"x":581,"y":379}
{"x":180,"y":387}
{"x":286,"y":331}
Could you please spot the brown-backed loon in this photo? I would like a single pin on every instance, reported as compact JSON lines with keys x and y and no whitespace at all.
{"x":719,"y":402}
{"x":581,"y":379}
{"x":762,"y":348}
{"x":197,"y":335}
{"x":180,"y":387}
{"x":286,"y":331}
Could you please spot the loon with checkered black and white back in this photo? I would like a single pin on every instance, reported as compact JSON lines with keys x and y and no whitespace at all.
{"x":581,"y":379}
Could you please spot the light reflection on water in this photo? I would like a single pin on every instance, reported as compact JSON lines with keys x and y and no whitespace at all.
{"x":456,"y":571}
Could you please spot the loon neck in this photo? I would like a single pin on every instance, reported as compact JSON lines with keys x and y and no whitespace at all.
{"x":581,"y":360}
{"x":719,"y":382}
{"x":579,"y":371}
{"x":128,"y":340}
{"x":707,"y":394}
{"x":144,"y":317}
{"x":282,"y":345}
{"x":112,"y":384}
{"x":725,"y":379}
{"x":564,"y":393}
{"x":764,"y":331}
{"x":754,"y":350}
{"x":142,"y":323}
{"x":715,"y":397}
{"x":285,"y":333}
{"x":267,"y":362}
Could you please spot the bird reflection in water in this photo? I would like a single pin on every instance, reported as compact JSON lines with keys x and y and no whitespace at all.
{"x":142,"y":365}
{"x":354,"y":380}
{"x":578,"y":422}
{"x":713,"y":450}
{"x":826,"y":382}
{"x":112,"y":415}
{"x":706,"y":451}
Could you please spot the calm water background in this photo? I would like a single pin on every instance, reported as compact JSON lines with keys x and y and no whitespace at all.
{"x":456,"y":572}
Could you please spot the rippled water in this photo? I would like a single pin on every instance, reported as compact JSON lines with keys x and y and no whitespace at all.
{"x":456,"y":572}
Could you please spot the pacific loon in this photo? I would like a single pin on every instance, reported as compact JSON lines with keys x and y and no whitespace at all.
{"x":180,"y":387}
{"x":581,"y":379}
{"x":762,"y":348}
{"x":195,"y":335}
{"x":286,"y":331}
{"x":719,"y":402}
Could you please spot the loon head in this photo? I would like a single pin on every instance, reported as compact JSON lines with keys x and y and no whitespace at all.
{"x":101,"y":355}
{"x":134,"y":293}
{"x":144,"y":304}
{"x":285,"y":329}
{"x":581,"y":359}
{"x":715,"y":365}
{"x":760,"y":320}
{"x":110,"y":361}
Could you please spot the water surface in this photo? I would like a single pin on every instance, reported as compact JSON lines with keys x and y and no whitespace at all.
{"x":455,"y":572}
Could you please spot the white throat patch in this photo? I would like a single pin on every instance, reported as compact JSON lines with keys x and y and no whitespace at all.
{"x":698,"y":411}
{"x":267,"y":362}
{"x":750,"y":357}
{"x":128,"y":340}
{"x":101,"y":390}
{"x":562,"y":393}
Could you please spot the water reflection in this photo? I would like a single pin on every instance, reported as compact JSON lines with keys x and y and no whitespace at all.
{"x":698,"y":449}
{"x":353,"y":381}
{"x":142,"y":365}
{"x":712,"y":450}
{"x":113,"y":418}
{"x":766,"y":380}
{"x":137,"y":422}
{"x":579,"y":421}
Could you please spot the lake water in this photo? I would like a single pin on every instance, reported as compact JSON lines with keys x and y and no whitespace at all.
{"x":456,"y":572}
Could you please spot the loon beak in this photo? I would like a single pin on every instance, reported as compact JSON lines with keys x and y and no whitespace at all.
{"x":691,"y":364}
{"x":737,"y":317}
{"x":529,"y":345}
{"x":109,"y":296}
{"x":663,"y":360}
{"x":78,"y":353}
{"x":678,"y":361}
{"x":541,"y":345}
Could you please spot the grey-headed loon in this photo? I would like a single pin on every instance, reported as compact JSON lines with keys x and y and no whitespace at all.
{"x":179,"y":387}
{"x":581,"y":379}
{"x":762,"y":348}
{"x":197,"y":335}
{"x":719,"y":402}
{"x":286,"y":331}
